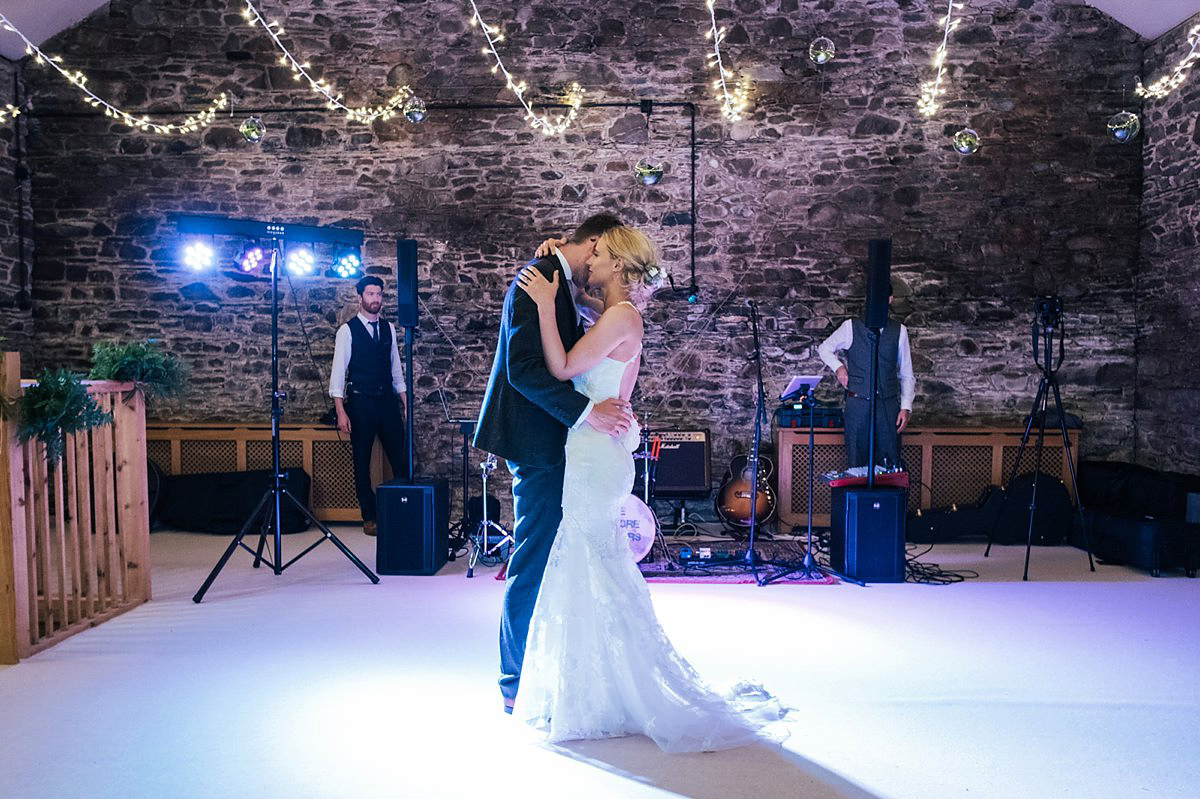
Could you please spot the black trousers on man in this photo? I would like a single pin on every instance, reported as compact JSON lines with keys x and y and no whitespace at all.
{"x":371,"y":417}
{"x":858,"y":427}
{"x":537,"y":505}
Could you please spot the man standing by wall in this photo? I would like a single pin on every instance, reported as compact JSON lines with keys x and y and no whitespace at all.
{"x":367,"y":386}
{"x":896,"y":387}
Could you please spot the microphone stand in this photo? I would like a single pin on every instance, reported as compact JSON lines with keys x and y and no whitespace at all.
{"x":751,"y":558}
{"x":808,"y":568}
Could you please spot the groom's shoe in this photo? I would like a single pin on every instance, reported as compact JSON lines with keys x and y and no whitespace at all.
{"x":369,"y":527}
{"x":508,"y":705}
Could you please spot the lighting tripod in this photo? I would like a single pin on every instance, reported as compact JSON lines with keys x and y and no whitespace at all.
{"x":478,"y":539}
{"x":274,"y":497}
{"x":1047,"y":325}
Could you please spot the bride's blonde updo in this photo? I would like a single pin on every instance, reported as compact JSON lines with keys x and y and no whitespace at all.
{"x":638,"y":255}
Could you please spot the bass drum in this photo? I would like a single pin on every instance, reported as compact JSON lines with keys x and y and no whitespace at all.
{"x":638,"y":524}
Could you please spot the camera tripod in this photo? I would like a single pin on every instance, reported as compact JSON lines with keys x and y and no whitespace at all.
{"x":274,"y":497}
{"x":1047,"y":326}
{"x":478,"y":540}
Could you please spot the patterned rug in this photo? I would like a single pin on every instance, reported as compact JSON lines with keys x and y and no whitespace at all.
{"x":722,"y":562}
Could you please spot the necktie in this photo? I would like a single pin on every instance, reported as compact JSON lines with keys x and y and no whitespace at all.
{"x":375,"y":330}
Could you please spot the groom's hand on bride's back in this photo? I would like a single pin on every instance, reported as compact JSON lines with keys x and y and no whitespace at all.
{"x":613,"y":416}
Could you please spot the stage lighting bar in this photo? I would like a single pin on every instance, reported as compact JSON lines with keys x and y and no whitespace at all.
{"x":300,"y":241}
{"x":254,"y":229}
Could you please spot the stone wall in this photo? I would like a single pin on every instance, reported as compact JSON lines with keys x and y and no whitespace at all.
{"x":786,"y":200}
{"x":1168,"y":406}
{"x":16,"y":321}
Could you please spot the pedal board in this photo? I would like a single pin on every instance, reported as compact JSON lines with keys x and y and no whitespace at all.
{"x":705,"y":554}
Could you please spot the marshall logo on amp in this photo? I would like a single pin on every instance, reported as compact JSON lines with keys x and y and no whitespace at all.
{"x":684,"y":464}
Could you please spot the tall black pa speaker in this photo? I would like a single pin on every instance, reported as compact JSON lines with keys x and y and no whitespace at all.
{"x":867,"y":534}
{"x":879,"y":282}
{"x":413,"y":521}
{"x":406,"y":283}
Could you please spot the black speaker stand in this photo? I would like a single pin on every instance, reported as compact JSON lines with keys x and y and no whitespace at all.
{"x":1046,"y":324}
{"x":274,"y":497}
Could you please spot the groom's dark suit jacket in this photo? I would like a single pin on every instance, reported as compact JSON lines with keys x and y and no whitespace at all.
{"x":526,"y":410}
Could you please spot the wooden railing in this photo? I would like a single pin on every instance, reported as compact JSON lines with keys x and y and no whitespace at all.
{"x":75,"y":537}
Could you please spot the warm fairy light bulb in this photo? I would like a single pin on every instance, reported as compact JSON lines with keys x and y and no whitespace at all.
{"x":735,"y":97}
{"x":1169,"y":83}
{"x":573,"y":97}
{"x":79,"y":80}
{"x":931,"y":91}
{"x":300,"y":71}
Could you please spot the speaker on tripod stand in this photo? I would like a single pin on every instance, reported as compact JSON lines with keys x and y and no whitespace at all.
{"x":867,"y":543}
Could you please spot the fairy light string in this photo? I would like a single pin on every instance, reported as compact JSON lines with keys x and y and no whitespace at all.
{"x":735,"y":96}
{"x":1169,"y":83}
{"x":573,"y":98}
{"x":932,"y":90}
{"x":77,"y":79}
{"x":300,"y":71}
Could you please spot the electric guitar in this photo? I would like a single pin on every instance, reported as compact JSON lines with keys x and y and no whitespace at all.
{"x":742,"y":494}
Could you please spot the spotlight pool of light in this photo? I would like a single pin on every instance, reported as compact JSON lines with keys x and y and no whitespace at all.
{"x":198,"y":255}
{"x":301,"y":261}
{"x":347,"y":265}
{"x":252,"y":258}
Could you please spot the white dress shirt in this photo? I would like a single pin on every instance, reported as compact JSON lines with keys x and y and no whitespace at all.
{"x":569,"y":287}
{"x":841,"y":340}
{"x":341,"y":359}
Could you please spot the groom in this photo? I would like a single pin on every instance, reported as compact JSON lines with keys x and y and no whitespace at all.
{"x":525,"y":416}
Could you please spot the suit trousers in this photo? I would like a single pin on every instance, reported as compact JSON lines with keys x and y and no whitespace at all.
{"x":537,"y":506}
{"x":887,"y":440}
{"x":371,"y":417}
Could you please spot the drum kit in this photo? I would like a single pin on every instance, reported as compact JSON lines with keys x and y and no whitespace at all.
{"x":490,"y":543}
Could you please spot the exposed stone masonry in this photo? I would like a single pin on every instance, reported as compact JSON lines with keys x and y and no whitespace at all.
{"x":1168,"y":376}
{"x":786,"y":200}
{"x":16,"y":321}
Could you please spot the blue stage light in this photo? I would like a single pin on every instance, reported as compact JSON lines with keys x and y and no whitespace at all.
{"x":251,"y":258}
{"x":301,"y":261}
{"x":347,"y":264}
{"x":198,"y":255}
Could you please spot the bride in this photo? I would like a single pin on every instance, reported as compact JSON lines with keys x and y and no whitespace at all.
{"x":597,"y":663}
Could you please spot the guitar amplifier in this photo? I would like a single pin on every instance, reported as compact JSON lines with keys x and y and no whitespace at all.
{"x":684,"y":465}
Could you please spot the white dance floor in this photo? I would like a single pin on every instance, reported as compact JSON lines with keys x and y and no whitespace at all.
{"x":318,"y":684}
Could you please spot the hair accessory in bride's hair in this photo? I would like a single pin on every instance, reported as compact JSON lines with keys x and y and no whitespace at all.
{"x":653,"y":275}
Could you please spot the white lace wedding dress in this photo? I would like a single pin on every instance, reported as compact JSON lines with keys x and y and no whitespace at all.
{"x":597,"y":664}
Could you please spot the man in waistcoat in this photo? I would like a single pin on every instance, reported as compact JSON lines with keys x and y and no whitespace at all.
{"x":896,"y":387}
{"x":367,"y":386}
